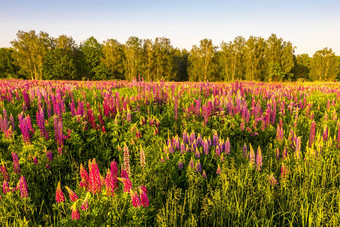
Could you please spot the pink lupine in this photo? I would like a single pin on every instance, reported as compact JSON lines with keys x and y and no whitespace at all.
{"x":5,"y":187}
{"x":123,"y":173}
{"x":204,"y":175}
{"x":143,"y":196}
{"x":23,"y":187}
{"x":114,"y":173}
{"x":85,"y":204}
{"x":49,"y":155}
{"x":298,"y":148}
{"x":59,"y":195}
{"x":258,"y":159}
{"x":227,"y":146}
{"x":312,"y":134}
{"x":198,"y":167}
{"x":75,"y":212}
{"x":109,"y":183}
{"x":135,"y":199}
{"x":325,"y":134}
{"x":16,"y":165}
{"x":85,"y":181}
{"x":284,"y":171}
{"x":94,"y":178}
{"x":72,"y":194}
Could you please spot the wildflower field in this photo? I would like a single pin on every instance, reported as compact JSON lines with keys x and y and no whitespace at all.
{"x":120,"y":153}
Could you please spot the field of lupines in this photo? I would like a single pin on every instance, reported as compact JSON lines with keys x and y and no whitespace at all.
{"x":169,"y":154}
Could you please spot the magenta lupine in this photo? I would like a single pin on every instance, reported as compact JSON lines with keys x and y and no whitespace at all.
{"x":251,"y":156}
{"x":5,"y":187}
{"x":23,"y":187}
{"x":277,"y":154}
{"x":35,"y":160}
{"x":143,"y":196}
{"x":258,"y":159}
{"x":73,"y":196}
{"x":114,"y":172}
{"x":127,"y":184}
{"x":109,"y":184}
{"x":183,"y":150}
{"x":284,"y":171}
{"x":312,"y":134}
{"x":49,"y":155}
{"x":85,"y":204}
{"x":75,"y":212}
{"x":94,"y":178}
{"x":4,"y":172}
{"x":242,"y":126}
{"x":59,"y":195}
{"x":284,"y":153}
{"x":135,"y":199}
{"x":128,"y":116}
{"x":16,"y":165}
{"x":127,"y":160}
{"x":217,"y":151}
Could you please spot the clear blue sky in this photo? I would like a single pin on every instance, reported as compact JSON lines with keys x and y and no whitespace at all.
{"x":309,"y":25}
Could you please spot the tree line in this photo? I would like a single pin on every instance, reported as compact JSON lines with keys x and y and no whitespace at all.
{"x":40,"y":56}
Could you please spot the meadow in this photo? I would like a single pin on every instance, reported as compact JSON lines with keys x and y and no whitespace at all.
{"x":93,"y":153}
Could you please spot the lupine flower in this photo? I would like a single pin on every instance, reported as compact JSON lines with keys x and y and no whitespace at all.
{"x":258,"y":159}
{"x":245,"y":152}
{"x":142,"y":157}
{"x":4,"y":172}
{"x":325,"y":134}
{"x":35,"y":160}
{"x":183,"y":150}
{"x":23,"y":187}
{"x":5,"y":187}
{"x":191,"y":163}
{"x":227,"y":146}
{"x":135,"y":199}
{"x":219,"y":170}
{"x":75,"y":212}
{"x":85,"y":204}
{"x":284,"y":171}
{"x":206,"y":146}
{"x":272,"y":180}
{"x":277,"y":154}
{"x":180,"y":164}
{"x":109,"y":183}
{"x":72,"y":194}
{"x":85,"y":181}
{"x":16,"y":165}
{"x":114,"y":172}
{"x":298,"y":148}
{"x":127,"y":159}
{"x":215,"y":139}
{"x":204,"y":175}
{"x":59,"y":195}
{"x":217,"y":151}
{"x":284,"y":153}
{"x":198,"y":167}
{"x":251,"y":156}
{"x":127,"y":184}
{"x":49,"y":155}
{"x":312,"y":134}
{"x":95,"y":179}
{"x":143,"y":196}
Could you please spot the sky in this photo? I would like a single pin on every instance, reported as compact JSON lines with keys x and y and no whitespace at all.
{"x":308,"y":25}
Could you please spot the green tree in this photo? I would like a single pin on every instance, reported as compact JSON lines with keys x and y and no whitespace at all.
{"x":324,"y":65}
{"x":92,"y":51}
{"x":29,"y":52}
{"x":254,"y":58}
{"x":133,"y":58}
{"x":201,"y":65}
{"x":302,"y":66}
{"x":279,"y":59}
{"x":7,"y":67}
{"x":113,"y":57}
{"x":163,"y":59}
{"x":180,"y":59}
{"x":148,"y":60}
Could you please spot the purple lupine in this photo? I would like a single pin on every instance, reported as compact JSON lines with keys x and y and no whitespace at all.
{"x":198,"y":167}
{"x":215,"y":139}
{"x":217,"y":151}
{"x":227,"y":146}
{"x":206,"y":146}
{"x":4,"y":172}
{"x":180,"y":164}
{"x":312,"y":134}
{"x":204,"y":175}
{"x":23,"y":187}
{"x":183,"y":150}
{"x":258,"y":159}
{"x":192,"y":137}
{"x":197,"y":153}
{"x":191,"y":163}
{"x":49,"y":155}
{"x":16,"y":165}
{"x":5,"y":187}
